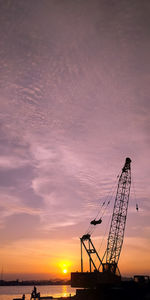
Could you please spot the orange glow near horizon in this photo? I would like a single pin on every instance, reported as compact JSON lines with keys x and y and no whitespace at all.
{"x":37,"y":266}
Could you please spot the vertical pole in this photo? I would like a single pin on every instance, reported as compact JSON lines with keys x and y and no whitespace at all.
{"x":81,"y":259}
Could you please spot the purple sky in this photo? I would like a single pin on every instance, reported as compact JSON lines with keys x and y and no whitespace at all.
{"x":74,"y":102}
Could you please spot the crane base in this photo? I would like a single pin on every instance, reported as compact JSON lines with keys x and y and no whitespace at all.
{"x":93,"y":279}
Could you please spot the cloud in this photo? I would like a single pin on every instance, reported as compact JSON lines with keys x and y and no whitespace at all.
{"x":12,"y":162}
{"x":12,"y":205}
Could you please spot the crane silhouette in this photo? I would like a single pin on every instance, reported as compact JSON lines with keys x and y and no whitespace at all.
{"x":109,"y":263}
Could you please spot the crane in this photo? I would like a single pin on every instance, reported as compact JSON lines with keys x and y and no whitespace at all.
{"x":118,"y":221}
{"x":115,"y":237}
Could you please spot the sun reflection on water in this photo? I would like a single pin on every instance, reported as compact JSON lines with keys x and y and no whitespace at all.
{"x":64,"y":291}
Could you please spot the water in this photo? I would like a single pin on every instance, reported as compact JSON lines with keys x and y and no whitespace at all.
{"x":10,"y":292}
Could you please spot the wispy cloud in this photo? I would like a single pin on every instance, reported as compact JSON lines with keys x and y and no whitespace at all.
{"x":12,"y":162}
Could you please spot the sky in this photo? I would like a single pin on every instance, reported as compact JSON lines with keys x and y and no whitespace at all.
{"x":74,"y":103}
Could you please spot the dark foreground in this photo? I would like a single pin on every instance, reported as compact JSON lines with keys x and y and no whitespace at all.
{"x":125,"y":290}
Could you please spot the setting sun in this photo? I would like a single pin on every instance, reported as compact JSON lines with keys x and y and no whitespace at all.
{"x":64,"y":267}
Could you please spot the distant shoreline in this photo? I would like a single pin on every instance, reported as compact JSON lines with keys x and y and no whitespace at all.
{"x":33,"y":282}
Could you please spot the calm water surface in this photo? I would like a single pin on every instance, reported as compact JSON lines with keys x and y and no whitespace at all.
{"x":10,"y":292}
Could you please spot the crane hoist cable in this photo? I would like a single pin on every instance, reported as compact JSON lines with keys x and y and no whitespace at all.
{"x":108,"y":199}
{"x":90,"y":227}
{"x":96,"y":222}
{"x":135,"y":198}
{"x":102,"y":210}
{"x":102,"y":240}
{"x":106,"y":228}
